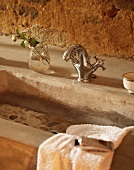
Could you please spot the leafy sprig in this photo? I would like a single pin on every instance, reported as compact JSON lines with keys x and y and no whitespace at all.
{"x":33,"y":36}
{"x":31,"y":41}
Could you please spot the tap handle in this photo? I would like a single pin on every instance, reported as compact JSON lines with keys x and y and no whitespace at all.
{"x":103,"y":68}
{"x":96,"y":58}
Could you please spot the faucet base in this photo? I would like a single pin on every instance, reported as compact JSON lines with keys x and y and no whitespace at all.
{"x":93,"y":76}
{"x":87,"y":80}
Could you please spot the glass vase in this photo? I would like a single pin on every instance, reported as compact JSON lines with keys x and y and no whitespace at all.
{"x":39,"y":59}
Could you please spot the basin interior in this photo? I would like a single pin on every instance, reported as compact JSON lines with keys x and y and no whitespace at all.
{"x":42,"y":121}
{"x":45,"y":113}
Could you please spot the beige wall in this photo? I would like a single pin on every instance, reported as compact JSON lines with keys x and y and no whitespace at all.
{"x":104,"y":27}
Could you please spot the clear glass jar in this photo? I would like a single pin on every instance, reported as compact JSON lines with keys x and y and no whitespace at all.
{"x":39,"y":59}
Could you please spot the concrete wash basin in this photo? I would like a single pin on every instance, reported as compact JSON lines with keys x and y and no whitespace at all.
{"x":53,"y":100}
{"x":18,"y":93}
{"x":57,"y":96}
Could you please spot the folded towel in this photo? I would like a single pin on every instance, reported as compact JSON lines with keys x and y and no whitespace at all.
{"x":54,"y":153}
{"x":107,"y":133}
{"x":60,"y":153}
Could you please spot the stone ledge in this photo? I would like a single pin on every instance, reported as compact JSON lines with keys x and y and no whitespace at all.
{"x":19,"y":145}
{"x":21,"y":133}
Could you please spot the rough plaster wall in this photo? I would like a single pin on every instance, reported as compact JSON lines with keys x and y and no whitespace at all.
{"x":104,"y":27}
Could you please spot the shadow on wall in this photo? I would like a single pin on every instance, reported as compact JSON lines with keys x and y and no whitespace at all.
{"x":106,"y":81}
{"x":124,"y":4}
{"x":38,"y":1}
{"x":12,"y":63}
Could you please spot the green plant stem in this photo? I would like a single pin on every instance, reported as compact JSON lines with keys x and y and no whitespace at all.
{"x":41,"y":55}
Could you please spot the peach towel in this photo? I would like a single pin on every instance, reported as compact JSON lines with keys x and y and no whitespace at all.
{"x":59,"y":152}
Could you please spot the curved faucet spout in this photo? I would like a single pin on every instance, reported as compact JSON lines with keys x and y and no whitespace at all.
{"x":77,"y":54}
{"x":68,"y":53}
{"x":81,"y":61}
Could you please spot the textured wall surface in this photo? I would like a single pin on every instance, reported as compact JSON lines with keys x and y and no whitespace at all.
{"x":104,"y":27}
